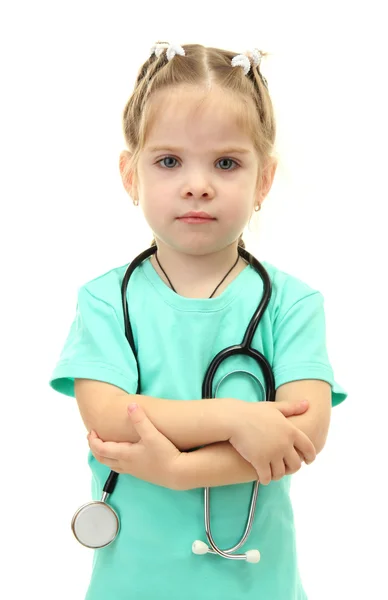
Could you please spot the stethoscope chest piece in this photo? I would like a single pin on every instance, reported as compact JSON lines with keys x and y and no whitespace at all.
{"x":95,"y":524}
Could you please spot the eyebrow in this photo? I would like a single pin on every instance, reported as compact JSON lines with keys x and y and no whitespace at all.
{"x":181,"y":150}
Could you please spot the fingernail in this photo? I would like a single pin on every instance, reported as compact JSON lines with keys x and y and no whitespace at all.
{"x":132,"y":407}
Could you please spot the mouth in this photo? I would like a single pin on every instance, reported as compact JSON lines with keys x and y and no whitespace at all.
{"x":196,"y":217}
{"x":196,"y":220}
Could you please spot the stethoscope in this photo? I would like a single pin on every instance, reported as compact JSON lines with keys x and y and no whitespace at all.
{"x":96,"y":524}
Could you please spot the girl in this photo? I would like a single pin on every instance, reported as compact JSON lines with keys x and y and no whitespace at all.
{"x":200,"y":132}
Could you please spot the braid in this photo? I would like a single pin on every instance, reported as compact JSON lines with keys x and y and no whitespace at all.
{"x":257,"y":79}
{"x":151,"y":66}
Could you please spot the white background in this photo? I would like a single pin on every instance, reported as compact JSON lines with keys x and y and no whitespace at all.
{"x":67,"y":71}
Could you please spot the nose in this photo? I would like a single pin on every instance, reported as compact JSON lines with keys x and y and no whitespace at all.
{"x":191,"y":194}
{"x":199,"y":188}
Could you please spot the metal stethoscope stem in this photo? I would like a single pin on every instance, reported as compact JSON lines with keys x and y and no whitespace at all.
{"x":252,"y":556}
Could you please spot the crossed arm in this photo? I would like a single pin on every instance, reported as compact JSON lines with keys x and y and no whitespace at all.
{"x":190,"y":424}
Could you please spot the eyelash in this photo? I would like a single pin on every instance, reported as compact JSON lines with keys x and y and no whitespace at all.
{"x":173,"y":157}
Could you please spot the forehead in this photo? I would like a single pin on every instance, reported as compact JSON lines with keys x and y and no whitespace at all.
{"x":190,"y":116}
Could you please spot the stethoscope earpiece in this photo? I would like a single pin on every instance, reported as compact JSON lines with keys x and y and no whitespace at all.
{"x":251,"y":556}
{"x":199,"y":547}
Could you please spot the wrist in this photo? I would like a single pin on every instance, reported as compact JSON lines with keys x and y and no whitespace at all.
{"x":180,"y":476}
{"x":215,"y":465}
{"x":219,"y":417}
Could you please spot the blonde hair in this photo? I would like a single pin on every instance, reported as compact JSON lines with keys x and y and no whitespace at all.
{"x":201,"y":66}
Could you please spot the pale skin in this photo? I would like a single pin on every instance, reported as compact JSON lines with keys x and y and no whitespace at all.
{"x":155,"y":459}
{"x":261,"y":442}
{"x":182,"y":168}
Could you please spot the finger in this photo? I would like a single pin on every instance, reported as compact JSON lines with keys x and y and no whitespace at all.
{"x":92,"y":435}
{"x":264,"y":474}
{"x":112,"y":450}
{"x":293,"y":461}
{"x":278,"y":469}
{"x":109,"y":462}
{"x":141,"y":422}
{"x":306,"y":447}
{"x":292,"y":407}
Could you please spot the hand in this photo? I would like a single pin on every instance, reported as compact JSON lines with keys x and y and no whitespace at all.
{"x":153,"y":458}
{"x":274,"y":446}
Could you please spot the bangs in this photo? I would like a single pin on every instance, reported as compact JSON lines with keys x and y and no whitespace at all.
{"x":242,"y":111}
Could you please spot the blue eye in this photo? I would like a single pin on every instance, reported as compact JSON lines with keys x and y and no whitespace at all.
{"x":224,"y":160}
{"x":227,"y":160}
{"x":166,"y":158}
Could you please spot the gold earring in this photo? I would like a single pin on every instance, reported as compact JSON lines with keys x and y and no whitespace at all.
{"x":257,"y":208}
{"x":136,"y":202}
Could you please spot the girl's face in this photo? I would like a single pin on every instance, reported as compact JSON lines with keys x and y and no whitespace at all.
{"x":196,"y":158}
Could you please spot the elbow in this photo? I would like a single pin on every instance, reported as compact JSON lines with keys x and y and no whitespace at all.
{"x":105,"y":414}
{"x":319,"y":446}
{"x":317,"y":427}
{"x":319,"y":438}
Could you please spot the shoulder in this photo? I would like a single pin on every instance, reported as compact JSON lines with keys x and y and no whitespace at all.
{"x":286,"y":285}
{"x":288,"y":290}
{"x":105,"y":287}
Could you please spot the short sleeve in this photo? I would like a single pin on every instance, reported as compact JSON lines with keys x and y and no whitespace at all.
{"x":95,"y":348}
{"x":300,"y":346}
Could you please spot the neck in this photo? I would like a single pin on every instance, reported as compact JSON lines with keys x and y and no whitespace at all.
{"x":197,"y":275}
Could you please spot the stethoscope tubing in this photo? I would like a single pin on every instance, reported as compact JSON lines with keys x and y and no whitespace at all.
{"x":207,"y":390}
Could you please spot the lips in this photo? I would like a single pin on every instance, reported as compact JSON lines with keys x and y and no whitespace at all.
{"x":196,"y":215}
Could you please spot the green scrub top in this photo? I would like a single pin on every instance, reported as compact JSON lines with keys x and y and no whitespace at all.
{"x":176,"y":338}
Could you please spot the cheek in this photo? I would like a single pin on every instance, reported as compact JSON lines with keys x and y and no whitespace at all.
{"x":154,"y":187}
{"x":156,"y":207}
{"x":238,"y":208}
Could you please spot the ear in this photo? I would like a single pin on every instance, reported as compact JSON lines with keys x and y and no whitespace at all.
{"x":128,"y":177}
{"x":265,"y":182}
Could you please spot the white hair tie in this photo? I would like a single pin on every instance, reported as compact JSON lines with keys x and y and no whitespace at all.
{"x":256,"y":55}
{"x":242,"y":60}
{"x":172,"y":50}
